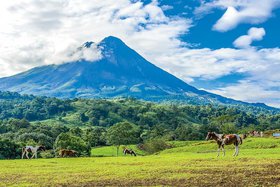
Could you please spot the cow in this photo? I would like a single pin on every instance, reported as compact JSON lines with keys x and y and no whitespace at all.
{"x":30,"y":149}
{"x":68,"y":153}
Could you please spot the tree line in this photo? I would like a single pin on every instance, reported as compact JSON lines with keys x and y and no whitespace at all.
{"x":81,"y":124}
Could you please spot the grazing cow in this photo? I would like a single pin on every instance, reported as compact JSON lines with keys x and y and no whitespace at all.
{"x":128,"y":151}
{"x":30,"y":149}
{"x":68,"y":153}
{"x":223,"y":140}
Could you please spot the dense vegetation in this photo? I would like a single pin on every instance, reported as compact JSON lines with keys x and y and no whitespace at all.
{"x":84,"y":123}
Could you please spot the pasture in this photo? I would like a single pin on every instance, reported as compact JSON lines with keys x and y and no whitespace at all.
{"x":192,"y":163}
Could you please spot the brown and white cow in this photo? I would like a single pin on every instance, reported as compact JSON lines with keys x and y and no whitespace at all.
{"x":223,"y":140}
{"x":30,"y":149}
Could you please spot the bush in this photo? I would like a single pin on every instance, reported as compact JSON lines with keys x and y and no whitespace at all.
{"x":48,"y":154}
{"x":9,"y":149}
{"x":69,"y":141}
{"x":155,"y":145}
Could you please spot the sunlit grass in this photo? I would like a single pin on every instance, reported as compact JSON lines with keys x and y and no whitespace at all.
{"x":194,"y":164}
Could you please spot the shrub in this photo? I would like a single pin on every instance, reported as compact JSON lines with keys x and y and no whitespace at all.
{"x":69,"y":141}
{"x":155,"y":145}
{"x":9,"y":149}
{"x":48,"y":154}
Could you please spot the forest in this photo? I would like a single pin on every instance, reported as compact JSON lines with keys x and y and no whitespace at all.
{"x":81,"y":124}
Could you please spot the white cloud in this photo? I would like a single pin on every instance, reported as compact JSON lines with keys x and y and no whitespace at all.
{"x":251,"y":92}
{"x":228,"y":21}
{"x":262,"y":66}
{"x":89,"y":53}
{"x":239,"y":11}
{"x":43,"y":32}
{"x":254,"y":34}
{"x":166,"y":7}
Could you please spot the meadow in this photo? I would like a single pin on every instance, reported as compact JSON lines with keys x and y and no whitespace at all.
{"x":188,"y":163}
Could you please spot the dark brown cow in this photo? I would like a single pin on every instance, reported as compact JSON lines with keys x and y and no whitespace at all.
{"x":68,"y":153}
{"x":128,"y":151}
{"x":223,"y":140}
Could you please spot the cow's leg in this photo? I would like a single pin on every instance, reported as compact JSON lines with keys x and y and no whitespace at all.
{"x":224,"y":151}
{"x":219,"y":151}
{"x":22,"y":155}
{"x":33,"y":155}
{"x":27,"y":153}
{"x":237,"y":150}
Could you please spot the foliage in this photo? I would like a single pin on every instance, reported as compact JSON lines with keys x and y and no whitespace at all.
{"x":122,"y":133}
{"x":95,"y":136}
{"x":156,"y":145}
{"x":47,"y":154}
{"x":13,"y":105}
{"x":32,"y":120}
{"x":9,"y":149}
{"x":69,"y":141}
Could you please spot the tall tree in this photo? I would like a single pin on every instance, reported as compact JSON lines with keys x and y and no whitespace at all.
{"x":122,"y":133}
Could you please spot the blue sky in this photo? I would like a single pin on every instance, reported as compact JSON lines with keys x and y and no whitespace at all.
{"x":229,"y":47}
{"x":202,"y":35}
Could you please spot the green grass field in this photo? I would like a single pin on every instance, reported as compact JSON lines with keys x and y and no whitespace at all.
{"x":188,"y":164}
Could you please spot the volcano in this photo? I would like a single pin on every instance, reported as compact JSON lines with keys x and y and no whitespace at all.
{"x":119,"y":72}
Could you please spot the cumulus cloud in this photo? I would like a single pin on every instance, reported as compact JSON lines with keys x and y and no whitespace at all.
{"x":249,"y":91}
{"x":238,"y":12}
{"x":90,"y":52}
{"x":254,"y":34}
{"x":43,"y":32}
{"x":262,"y":66}
{"x":166,"y":7}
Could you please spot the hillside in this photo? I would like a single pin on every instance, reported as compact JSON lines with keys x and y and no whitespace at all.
{"x":101,"y":112}
{"x":25,"y":118}
{"x":120,"y":72}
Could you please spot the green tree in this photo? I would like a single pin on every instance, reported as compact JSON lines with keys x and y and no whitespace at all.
{"x":76,"y":131}
{"x":83,"y":117}
{"x":182,"y":132}
{"x":9,"y":149}
{"x":228,"y":128}
{"x":122,"y":133}
{"x":69,"y":141}
{"x":95,"y":136}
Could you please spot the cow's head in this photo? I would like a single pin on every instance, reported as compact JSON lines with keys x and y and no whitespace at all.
{"x":42,"y":148}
